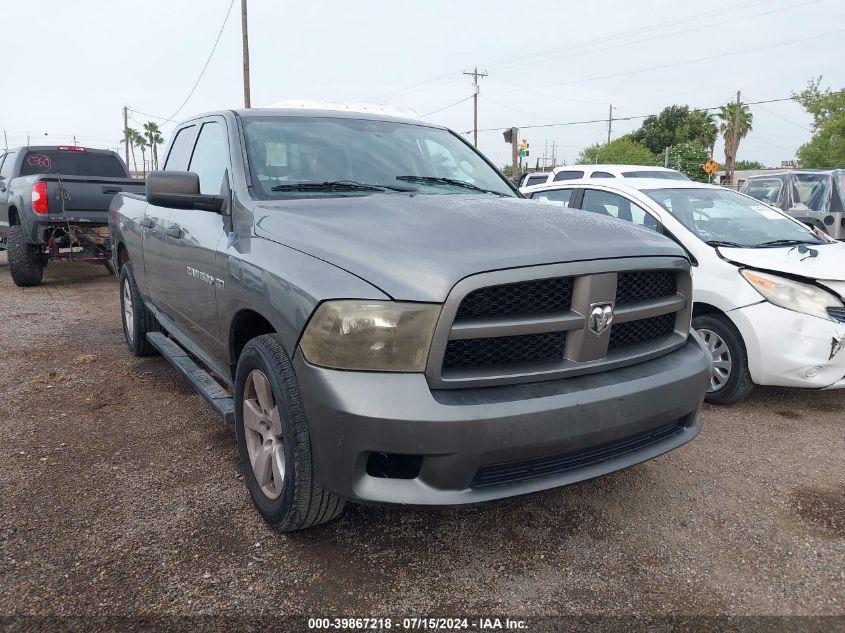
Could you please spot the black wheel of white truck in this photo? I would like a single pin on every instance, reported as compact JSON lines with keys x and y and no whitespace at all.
{"x":137,"y":319}
{"x":274,"y":444}
{"x":730,"y":380}
{"x":26,"y":261}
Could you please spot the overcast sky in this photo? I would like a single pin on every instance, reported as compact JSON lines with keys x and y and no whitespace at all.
{"x":69,"y":67}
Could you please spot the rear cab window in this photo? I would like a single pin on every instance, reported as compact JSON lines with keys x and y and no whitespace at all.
{"x":601,"y":174}
{"x":663,"y":175}
{"x":568,"y":175}
{"x":71,"y":163}
{"x":536,"y":180}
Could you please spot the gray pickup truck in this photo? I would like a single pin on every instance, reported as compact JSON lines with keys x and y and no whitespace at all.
{"x":53,"y":205}
{"x":384,"y":319}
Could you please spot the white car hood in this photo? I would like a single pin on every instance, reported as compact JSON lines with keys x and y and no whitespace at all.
{"x":828,"y":267}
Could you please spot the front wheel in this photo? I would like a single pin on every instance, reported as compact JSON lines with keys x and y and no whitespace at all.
{"x":730,"y":380}
{"x":274,"y":444}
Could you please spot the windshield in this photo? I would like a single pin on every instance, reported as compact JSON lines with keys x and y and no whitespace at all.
{"x":286,"y":153}
{"x":728,"y":218}
{"x":664,"y":175}
{"x":811,"y":191}
{"x":71,"y":163}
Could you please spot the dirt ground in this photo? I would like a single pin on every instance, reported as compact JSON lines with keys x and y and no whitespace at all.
{"x":121,"y":494}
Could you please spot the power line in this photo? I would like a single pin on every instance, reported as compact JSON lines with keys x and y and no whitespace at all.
{"x":451,"y":105}
{"x":783,"y":118}
{"x":688,"y":61}
{"x":588,"y":50}
{"x":207,"y":61}
{"x":618,"y":35}
{"x":627,"y":118}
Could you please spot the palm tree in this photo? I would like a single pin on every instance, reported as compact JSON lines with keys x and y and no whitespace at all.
{"x":734,"y":124}
{"x":158,"y":139}
{"x":142,"y":144}
{"x":153,"y":135}
{"x":130,"y":137}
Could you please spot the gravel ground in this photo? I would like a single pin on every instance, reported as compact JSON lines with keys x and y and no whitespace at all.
{"x":121,"y":494}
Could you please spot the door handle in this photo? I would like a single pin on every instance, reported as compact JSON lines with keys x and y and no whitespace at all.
{"x":173,"y":231}
{"x":147,"y":223}
{"x":107,"y":189}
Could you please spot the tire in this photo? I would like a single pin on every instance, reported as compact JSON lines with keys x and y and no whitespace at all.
{"x":289,"y":496}
{"x":26,"y":261}
{"x":137,"y":319}
{"x":733,"y":383}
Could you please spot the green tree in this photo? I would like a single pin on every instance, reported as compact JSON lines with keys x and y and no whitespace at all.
{"x":507,"y":170}
{"x":748,"y":164}
{"x":154,"y":139}
{"x":142,"y":144}
{"x":129,"y":138}
{"x":826,"y":148}
{"x":728,"y":120}
{"x":621,"y":151}
{"x":700,"y":127}
{"x":689,"y":157}
{"x":674,"y":125}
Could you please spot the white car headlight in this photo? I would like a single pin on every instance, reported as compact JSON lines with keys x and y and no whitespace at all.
{"x":792,"y":295}
{"x":370,"y":335}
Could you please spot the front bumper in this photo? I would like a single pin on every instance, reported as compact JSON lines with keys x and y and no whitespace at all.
{"x":790,"y":349}
{"x":457,"y":432}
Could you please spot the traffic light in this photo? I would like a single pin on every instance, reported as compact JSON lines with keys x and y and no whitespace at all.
{"x":508,"y":134}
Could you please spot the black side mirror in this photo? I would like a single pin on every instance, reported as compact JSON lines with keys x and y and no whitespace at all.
{"x":179,"y":190}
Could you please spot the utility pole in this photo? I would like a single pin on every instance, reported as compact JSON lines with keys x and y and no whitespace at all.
{"x":734,"y":138}
{"x":666,"y":157}
{"x":247,"y":100}
{"x":609,"y":122}
{"x":126,"y":134}
{"x":5,"y":140}
{"x":475,"y":75}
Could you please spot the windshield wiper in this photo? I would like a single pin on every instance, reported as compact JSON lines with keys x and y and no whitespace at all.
{"x":725,"y":244}
{"x":436,"y":180}
{"x":776,"y":243}
{"x":336,"y":185}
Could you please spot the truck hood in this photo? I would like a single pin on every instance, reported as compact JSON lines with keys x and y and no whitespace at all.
{"x":416,"y":247}
{"x":828,"y":267}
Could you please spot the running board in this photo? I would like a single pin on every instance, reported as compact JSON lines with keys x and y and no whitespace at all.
{"x":200,"y":380}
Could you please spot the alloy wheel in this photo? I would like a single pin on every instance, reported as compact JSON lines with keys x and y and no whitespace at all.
{"x":128,"y":313}
{"x":263,"y":433}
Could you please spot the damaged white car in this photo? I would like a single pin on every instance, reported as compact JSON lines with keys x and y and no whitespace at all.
{"x":768,"y":290}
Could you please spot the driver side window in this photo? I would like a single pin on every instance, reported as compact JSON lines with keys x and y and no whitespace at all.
{"x":211,"y":157}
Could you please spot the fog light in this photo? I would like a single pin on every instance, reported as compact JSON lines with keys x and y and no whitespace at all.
{"x":813,"y":372}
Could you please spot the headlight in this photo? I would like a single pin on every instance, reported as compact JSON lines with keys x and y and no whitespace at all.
{"x":792,"y":295}
{"x":370,"y":335}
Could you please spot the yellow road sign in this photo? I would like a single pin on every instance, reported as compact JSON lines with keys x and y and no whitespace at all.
{"x":711,"y":166}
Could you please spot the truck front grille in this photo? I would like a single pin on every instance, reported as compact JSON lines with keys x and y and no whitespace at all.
{"x":528,"y":297}
{"x":496,"y":329}
{"x":644,"y":285}
{"x":642,"y":331}
{"x":505,"y":350}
